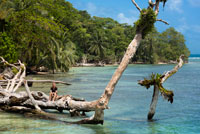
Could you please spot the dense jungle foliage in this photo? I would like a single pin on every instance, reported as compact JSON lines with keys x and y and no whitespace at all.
{"x":53,"y":34}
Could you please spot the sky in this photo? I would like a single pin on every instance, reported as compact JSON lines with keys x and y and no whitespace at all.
{"x":183,"y":15}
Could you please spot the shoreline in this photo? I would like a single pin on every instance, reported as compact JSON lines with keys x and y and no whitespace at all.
{"x":107,"y":65}
{"x":115,"y":64}
{"x":104,"y":65}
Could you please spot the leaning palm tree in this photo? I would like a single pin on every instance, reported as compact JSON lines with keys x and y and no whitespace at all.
{"x":66,"y":56}
{"x":61,"y":53}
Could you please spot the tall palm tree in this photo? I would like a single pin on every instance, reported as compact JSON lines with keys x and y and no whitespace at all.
{"x":60,"y":54}
{"x":98,"y":44}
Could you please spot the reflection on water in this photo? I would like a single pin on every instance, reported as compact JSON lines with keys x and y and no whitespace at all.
{"x":128,"y":107}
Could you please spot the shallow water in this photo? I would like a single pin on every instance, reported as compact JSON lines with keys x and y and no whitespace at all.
{"x":129,"y":104}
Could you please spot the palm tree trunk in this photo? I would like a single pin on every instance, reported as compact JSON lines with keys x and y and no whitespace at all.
{"x":153,"y":102}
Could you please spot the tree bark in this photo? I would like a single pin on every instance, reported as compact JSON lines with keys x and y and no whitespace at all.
{"x":153,"y":102}
{"x":39,"y":99}
{"x":31,"y":97}
{"x":103,"y":101}
{"x":168,"y":74}
{"x":40,"y":81}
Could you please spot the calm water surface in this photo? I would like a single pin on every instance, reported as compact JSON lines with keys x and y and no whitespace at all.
{"x":129,"y":104}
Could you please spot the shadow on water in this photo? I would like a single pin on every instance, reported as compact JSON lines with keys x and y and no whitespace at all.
{"x":152,"y":120}
{"x":17,"y":123}
{"x":111,"y":125}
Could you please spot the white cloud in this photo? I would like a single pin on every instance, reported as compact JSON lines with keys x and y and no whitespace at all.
{"x":123,"y":19}
{"x":91,"y":8}
{"x":175,"y":5}
{"x":184,"y":26}
{"x":99,"y":11}
{"x":195,"y":3}
{"x":130,"y":20}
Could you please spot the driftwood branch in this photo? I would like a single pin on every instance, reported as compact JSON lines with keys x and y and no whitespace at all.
{"x":13,"y":81}
{"x":168,"y":74}
{"x":136,"y":5}
{"x":49,"y":81}
{"x":39,"y":99}
{"x":162,"y":21}
{"x":21,"y":77}
{"x":31,"y":97}
{"x":40,"y":81}
{"x":5,"y":62}
{"x":8,"y":85}
{"x":157,"y":2}
{"x":151,"y":4}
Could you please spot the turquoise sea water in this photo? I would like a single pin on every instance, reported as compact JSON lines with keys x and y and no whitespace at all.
{"x":129,"y":104}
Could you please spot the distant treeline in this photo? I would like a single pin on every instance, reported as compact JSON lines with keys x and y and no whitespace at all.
{"x":53,"y":34}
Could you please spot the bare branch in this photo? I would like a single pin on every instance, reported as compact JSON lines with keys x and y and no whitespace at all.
{"x":31,"y":97}
{"x":40,"y":81}
{"x":5,"y":62}
{"x":8,"y":85}
{"x":157,"y":7}
{"x":136,"y":5}
{"x":174,"y":70}
{"x":13,"y":81}
{"x":151,"y":4}
{"x":162,"y":21}
{"x":22,"y":76}
{"x":49,"y":81}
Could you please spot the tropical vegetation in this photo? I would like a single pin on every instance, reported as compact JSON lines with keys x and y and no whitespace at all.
{"x":53,"y":34}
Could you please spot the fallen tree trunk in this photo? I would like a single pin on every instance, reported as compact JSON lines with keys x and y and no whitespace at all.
{"x":24,"y":99}
{"x":143,"y":26}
